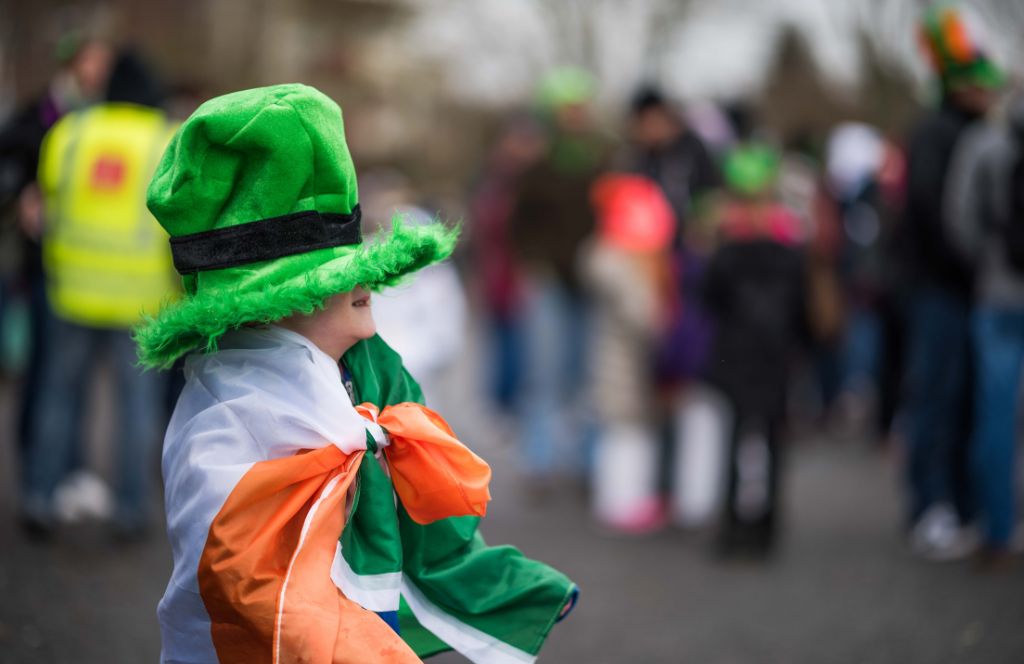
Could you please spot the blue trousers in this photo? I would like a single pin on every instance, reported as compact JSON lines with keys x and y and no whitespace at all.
{"x":556,"y":433}
{"x":999,"y":352}
{"x":506,"y":355}
{"x":863,"y":350}
{"x":67,"y":364}
{"x":938,"y":374}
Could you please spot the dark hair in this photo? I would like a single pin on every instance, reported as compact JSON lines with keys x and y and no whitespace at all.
{"x":646,"y":98}
{"x":132,"y":81}
{"x":742,"y":117}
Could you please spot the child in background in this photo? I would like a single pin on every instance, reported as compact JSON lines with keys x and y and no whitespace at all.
{"x":627,"y":268}
{"x":311,"y":497}
{"x":754,"y":290}
{"x":407,"y":314}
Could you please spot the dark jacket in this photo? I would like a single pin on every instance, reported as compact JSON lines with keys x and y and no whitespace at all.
{"x":930,"y":256}
{"x":684,"y":169}
{"x":979,"y":206}
{"x":21,"y":139}
{"x":755,"y":291}
{"x":552,"y":215}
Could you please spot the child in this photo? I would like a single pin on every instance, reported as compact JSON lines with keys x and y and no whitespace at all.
{"x":627,"y":268}
{"x":754,"y":288}
{"x":304,"y":527}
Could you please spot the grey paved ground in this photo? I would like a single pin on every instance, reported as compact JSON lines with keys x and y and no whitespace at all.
{"x":842,"y":589}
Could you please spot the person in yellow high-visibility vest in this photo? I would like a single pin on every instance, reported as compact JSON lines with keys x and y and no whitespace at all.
{"x":106,"y":261}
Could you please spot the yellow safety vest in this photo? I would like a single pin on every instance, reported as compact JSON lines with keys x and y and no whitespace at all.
{"x":106,"y":258}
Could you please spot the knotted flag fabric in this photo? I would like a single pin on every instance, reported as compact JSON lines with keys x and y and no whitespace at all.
{"x":308,"y":530}
{"x":434,"y":474}
{"x":271,"y":547}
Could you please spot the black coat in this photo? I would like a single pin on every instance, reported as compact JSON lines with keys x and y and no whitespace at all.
{"x":684,"y":169}
{"x":755,"y":291}
{"x":928,"y":253}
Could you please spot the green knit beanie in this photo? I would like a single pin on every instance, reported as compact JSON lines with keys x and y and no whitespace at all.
{"x":563,"y":86}
{"x":258,"y":192}
{"x":751,"y":169}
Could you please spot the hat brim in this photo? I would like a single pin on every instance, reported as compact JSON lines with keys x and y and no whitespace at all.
{"x":982,"y":73}
{"x":266,"y":292}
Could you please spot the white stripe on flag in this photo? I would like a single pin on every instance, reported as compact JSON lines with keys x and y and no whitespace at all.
{"x":476,"y":646}
{"x":298,"y":547}
{"x":375,"y":592}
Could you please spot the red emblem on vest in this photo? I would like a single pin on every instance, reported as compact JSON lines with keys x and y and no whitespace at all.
{"x":108,"y":172}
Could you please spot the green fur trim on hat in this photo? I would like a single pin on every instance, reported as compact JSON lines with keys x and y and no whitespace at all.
{"x":198,"y":322}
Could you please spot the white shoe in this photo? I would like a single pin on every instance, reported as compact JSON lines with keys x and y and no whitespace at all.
{"x":938,"y":535}
{"x":83,"y":495}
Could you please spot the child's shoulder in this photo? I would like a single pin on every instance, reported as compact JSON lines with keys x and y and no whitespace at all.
{"x":281,"y":398}
{"x":231,"y":372}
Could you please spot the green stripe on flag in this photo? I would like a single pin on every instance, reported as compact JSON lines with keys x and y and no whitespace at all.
{"x":420,"y":639}
{"x":491,"y":602}
{"x":494,"y":589}
{"x":371,"y":542}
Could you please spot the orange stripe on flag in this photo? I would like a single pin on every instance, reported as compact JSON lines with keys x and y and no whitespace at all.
{"x":434,"y":474}
{"x":264,"y":575}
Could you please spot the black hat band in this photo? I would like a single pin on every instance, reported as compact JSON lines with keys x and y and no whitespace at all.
{"x":265,"y":240}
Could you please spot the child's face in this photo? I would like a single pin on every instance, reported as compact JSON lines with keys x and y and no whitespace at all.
{"x":345,"y":319}
{"x":349,"y":315}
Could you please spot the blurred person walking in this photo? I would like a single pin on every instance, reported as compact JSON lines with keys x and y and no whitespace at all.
{"x":550,"y":220}
{"x":106,"y":260}
{"x":407,"y":313}
{"x":663,"y":148}
{"x":84,"y":67}
{"x":628,"y":270}
{"x":855,"y":158}
{"x":985,"y":219}
{"x":81,"y":79}
{"x":755,"y":289}
{"x":938,"y":348}
{"x":519,"y":145}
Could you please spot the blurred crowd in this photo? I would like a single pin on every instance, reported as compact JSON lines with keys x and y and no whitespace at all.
{"x":665,"y":303}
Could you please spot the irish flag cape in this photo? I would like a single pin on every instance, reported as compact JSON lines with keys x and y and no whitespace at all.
{"x":306,"y":529}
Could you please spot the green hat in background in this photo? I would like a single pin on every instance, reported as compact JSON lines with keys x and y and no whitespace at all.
{"x":258,"y":193}
{"x":751,"y":169}
{"x":563,"y":86}
{"x":67,"y":46}
{"x":953,"y":45}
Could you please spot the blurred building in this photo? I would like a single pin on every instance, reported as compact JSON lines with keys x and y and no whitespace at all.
{"x":351,"y":49}
{"x":422,"y":80}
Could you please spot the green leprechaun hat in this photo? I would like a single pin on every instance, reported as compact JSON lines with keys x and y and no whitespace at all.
{"x":258,"y":193}
{"x":953,"y":42}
